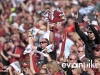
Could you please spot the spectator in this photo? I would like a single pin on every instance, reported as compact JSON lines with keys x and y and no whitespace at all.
{"x":96,"y":50}
{"x":43,"y":71}
{"x":18,"y":17}
{"x":81,"y":53}
{"x":73,"y":58}
{"x":54,"y":68}
{"x":97,"y":61}
{"x":67,"y":46}
{"x":90,"y":40}
{"x":15,"y":52}
{"x":87,"y":70}
{"x":73,"y":49}
{"x":5,"y":57}
{"x":76,"y":71}
{"x":26,"y":68}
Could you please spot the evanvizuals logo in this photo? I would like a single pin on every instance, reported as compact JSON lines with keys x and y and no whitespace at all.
{"x":80,"y":65}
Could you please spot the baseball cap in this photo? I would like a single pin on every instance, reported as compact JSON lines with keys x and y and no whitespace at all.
{"x":97,"y":46}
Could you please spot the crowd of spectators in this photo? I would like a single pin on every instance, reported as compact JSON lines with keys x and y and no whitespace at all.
{"x":31,"y":45}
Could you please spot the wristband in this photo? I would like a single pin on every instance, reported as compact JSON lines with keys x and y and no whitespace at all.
{"x":29,"y":35}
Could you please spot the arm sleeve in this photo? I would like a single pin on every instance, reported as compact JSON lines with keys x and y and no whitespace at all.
{"x":53,"y":54}
{"x":80,"y":33}
{"x":95,"y":33}
{"x":39,"y":48}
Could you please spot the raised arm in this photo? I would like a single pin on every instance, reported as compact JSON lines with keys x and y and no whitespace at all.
{"x":51,"y":36}
{"x":31,"y":40}
{"x":23,"y":5}
{"x":97,"y":37}
{"x":31,"y":63}
{"x":13,"y":3}
{"x":80,"y":33}
{"x":95,"y":33}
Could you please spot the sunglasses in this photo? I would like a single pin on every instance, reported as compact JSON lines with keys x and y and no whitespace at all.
{"x":79,"y":51}
{"x":43,"y":42}
{"x":71,"y":59}
{"x":89,"y":32}
{"x":97,"y":50}
{"x":72,"y":68}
